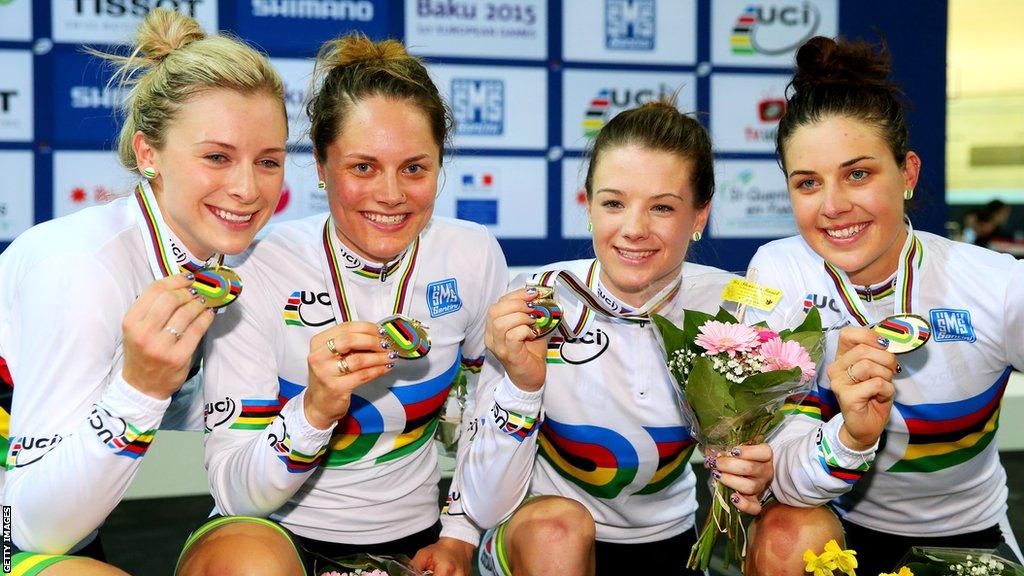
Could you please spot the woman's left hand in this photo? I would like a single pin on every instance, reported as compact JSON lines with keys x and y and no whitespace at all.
{"x":746,"y":469}
{"x":446,"y":557}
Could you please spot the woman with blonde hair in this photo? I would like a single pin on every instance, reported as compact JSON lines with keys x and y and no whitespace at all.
{"x":103,"y":310}
{"x":329,"y":452}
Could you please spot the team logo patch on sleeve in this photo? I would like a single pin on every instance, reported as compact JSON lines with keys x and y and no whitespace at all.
{"x":952,"y":325}
{"x":443,"y":297}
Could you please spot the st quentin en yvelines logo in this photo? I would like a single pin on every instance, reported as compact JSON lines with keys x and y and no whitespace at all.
{"x":771,"y":29}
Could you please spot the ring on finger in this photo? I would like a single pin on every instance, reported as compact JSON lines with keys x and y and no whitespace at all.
{"x":331,"y":347}
{"x":342,"y":366}
{"x":849,"y":372}
{"x":173,"y":332}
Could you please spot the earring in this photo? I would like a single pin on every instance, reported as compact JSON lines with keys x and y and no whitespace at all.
{"x":590,"y":226}
{"x":321,"y":185}
{"x":149,"y":172}
{"x":697,"y":236}
{"x":908,"y":193}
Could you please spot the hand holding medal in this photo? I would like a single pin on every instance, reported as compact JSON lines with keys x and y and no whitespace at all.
{"x":219,"y":285}
{"x":514,"y":337}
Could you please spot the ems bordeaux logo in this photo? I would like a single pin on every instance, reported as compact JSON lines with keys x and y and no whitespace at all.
{"x":629,"y":24}
{"x":774,"y":28}
{"x":952,"y":325}
{"x":478,"y":106}
{"x":443,"y":297}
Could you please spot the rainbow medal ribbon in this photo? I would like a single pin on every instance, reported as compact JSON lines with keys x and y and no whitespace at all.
{"x":545,"y":310}
{"x":594,"y":301}
{"x":408,"y":337}
{"x":905,"y":330}
{"x":218,"y":284}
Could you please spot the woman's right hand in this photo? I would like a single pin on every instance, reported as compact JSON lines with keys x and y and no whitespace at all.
{"x":161,"y":332}
{"x":360,"y":354}
{"x":861,"y":378}
{"x":508,"y":336}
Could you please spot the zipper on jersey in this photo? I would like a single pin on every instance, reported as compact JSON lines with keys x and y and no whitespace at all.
{"x":642,"y":385}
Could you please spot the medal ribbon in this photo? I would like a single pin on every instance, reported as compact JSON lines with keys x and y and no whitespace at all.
{"x":335,"y":270}
{"x":161,"y":239}
{"x":908,"y":278}
{"x":592,"y":303}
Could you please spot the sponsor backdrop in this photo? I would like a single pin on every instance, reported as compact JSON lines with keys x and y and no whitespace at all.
{"x":530,"y":82}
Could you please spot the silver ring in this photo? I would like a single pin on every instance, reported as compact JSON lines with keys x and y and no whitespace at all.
{"x":342,"y":366}
{"x":177,"y":335}
{"x":331,"y":347}
{"x":849,"y":372}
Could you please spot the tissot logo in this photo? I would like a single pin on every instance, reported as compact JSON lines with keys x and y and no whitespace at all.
{"x":118,"y":8}
{"x":629,"y":24}
{"x":587,"y":347}
{"x":479,"y":106}
{"x":6,"y":97}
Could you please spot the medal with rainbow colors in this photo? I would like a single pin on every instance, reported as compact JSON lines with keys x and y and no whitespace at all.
{"x":905,"y":330}
{"x":591,"y":302}
{"x":408,"y":337}
{"x":219,"y":285}
{"x":546,"y":311}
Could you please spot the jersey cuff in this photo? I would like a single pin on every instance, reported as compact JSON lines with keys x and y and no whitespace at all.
{"x":844,"y":456}
{"x":511,"y":397}
{"x":460,"y":528}
{"x":304,"y":436}
{"x":123,"y":400}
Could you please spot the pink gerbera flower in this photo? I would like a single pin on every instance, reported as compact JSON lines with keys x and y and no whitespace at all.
{"x":779,"y":355}
{"x":764,"y":334}
{"x":718,"y":337}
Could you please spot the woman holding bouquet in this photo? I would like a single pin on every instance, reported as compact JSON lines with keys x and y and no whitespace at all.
{"x":904,"y":450}
{"x":612,"y":488}
{"x":324,"y":385}
{"x":101,"y":318}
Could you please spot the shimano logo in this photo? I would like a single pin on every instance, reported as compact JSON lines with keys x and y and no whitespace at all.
{"x":357,"y":10}
{"x":93,"y":97}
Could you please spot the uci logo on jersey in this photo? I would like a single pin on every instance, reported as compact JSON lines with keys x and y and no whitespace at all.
{"x":301,"y":309}
{"x":952,"y":325}
{"x":443,"y":297}
{"x":820,"y":302}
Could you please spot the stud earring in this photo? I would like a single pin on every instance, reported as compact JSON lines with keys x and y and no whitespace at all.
{"x":908,"y":193}
{"x":697,"y":236}
{"x":590,"y":226}
{"x":321,"y":185}
{"x":149,"y":172}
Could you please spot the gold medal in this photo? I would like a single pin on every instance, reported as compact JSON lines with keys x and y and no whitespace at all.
{"x":408,"y":337}
{"x":905,"y":332}
{"x":219,"y":285}
{"x":546,"y":311}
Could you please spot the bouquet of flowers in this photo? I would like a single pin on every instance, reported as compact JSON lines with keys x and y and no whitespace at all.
{"x":918,"y":562}
{"x":735,"y":379}
{"x":365,"y":565}
{"x":957,"y":562}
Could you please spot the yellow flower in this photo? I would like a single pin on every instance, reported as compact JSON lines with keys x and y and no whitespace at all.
{"x":904,"y":571}
{"x":844,"y":560}
{"x":818,"y":565}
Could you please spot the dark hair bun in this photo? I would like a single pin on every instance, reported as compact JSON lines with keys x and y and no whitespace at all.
{"x":822,"y":62}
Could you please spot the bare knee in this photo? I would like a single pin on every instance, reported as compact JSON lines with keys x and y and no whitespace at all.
{"x":82,"y":567}
{"x":551,"y":535}
{"x":241,"y":549}
{"x":780,"y":535}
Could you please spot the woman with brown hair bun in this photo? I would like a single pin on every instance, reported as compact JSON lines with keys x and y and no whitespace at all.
{"x":325,"y":449}
{"x":103,"y":310}
{"x":901,"y":446}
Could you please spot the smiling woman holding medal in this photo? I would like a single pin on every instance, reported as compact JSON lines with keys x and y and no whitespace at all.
{"x":585,"y":423}
{"x":904,"y":444}
{"x":103,"y":310}
{"x":338,"y":363}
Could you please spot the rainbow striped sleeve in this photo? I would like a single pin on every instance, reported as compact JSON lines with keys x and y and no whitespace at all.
{"x":297,"y":462}
{"x":518,"y":426}
{"x":820,"y":404}
{"x":133,"y":443}
{"x":257,"y":414}
{"x":830,"y":463}
{"x":473,"y":365}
